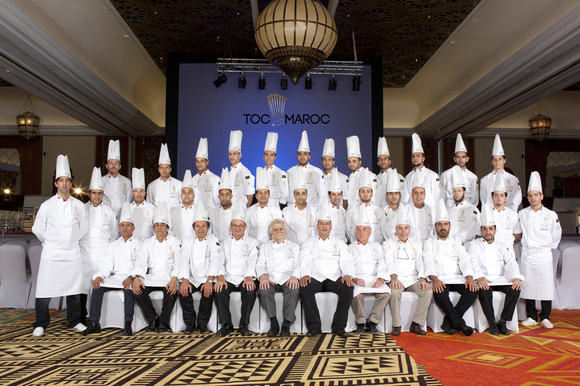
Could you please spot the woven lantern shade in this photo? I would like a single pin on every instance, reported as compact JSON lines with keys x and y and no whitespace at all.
{"x":540,"y":124}
{"x":296,"y":35}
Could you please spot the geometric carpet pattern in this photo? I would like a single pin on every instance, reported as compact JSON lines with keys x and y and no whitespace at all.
{"x":534,"y":356}
{"x":108,"y":358}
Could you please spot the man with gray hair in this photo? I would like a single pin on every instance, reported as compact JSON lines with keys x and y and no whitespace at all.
{"x":278,"y":269}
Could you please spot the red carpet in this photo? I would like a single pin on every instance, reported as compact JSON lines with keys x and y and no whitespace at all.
{"x":534,"y":356}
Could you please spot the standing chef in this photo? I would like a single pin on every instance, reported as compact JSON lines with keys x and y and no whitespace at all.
{"x":165,"y":188}
{"x":117,"y":188}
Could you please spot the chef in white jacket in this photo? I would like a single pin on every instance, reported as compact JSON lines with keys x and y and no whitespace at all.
{"x":165,"y":188}
{"x":237,"y":272}
{"x":259,"y":215}
{"x":182,"y":215}
{"x":514,"y":191}
{"x":115,"y":272}
{"x":143,"y":212}
{"x":117,"y":188}
{"x":408,"y":272}
{"x":384,"y":162}
{"x":206,"y":183}
{"x":278,"y":269}
{"x":241,"y":180}
{"x":506,"y":220}
{"x":157,"y":269}
{"x":370,"y":277}
{"x":496,"y":269}
{"x":471,"y":181}
{"x":311,"y":175}
{"x":328,"y":171}
{"x":452,"y":271}
{"x":60,"y":223}
{"x":200,"y":257}
{"x":300,"y":216}
{"x":221,"y":216}
{"x":394,"y":204}
{"x":421,"y":216}
{"x":375,"y":214}
{"x":102,"y":228}
{"x":429,"y":179}
{"x":541,"y":232}
{"x":276,"y":177}
{"x":464,"y":217}
{"x":337,"y":211}
{"x":356,"y":171}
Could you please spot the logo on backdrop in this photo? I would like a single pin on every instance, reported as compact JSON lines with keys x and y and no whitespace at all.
{"x":277,"y":104}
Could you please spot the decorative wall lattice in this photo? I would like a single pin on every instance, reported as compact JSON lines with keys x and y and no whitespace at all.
{"x":560,"y":165}
{"x":10,"y":170}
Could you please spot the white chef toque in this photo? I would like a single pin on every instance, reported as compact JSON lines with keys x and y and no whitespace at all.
{"x":138,"y":178}
{"x":334,"y":185}
{"x":487,"y":218}
{"x":459,"y":145}
{"x":324,"y":213}
{"x":328,"y":148}
{"x":402,"y":217}
{"x":353,"y":147}
{"x":164,"y":155}
{"x":62,"y":167}
{"x":393,"y":183}
{"x":364,"y":180}
{"x":96,"y":180}
{"x":114,"y":150}
{"x":457,"y":174}
{"x":126,"y":214}
{"x":236,"y":141}
{"x":187,"y":180}
{"x":261,"y":179}
{"x":225,"y":182}
{"x":239,"y":213}
{"x":417,"y":182}
{"x":298,"y":179}
{"x":271,"y":142}
{"x":200,"y":214}
{"x":497,"y":147}
{"x":161,"y":213}
{"x":535,"y":182}
{"x":202,"y":150}
{"x":304,"y":145}
{"x":416,"y":147}
{"x":382,"y":148}
{"x":363,"y":218}
{"x":499,"y":183}
{"x":441,"y":212}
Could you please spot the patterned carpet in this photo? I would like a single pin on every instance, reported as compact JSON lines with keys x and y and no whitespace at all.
{"x":62,"y":357}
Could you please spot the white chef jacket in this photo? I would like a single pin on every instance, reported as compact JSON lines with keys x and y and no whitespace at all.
{"x":258,"y":220}
{"x":353,"y":188}
{"x":433,"y":190}
{"x":326,"y":259}
{"x":168,"y":191}
{"x":200,"y":259}
{"x":405,"y":260}
{"x":279,"y":261}
{"x":221,"y":219}
{"x":381,"y":193}
{"x":369,"y":265}
{"x":465,"y":221}
{"x":117,"y":190}
{"x":207,"y":186}
{"x":239,"y":259}
{"x":493,"y":261}
{"x":507,"y":225}
{"x":514,"y":197}
{"x":541,"y":232}
{"x":118,"y":261}
{"x":314,"y":184}
{"x":338,"y":218}
{"x":59,"y":225}
{"x":389,"y":225}
{"x":301,"y":223}
{"x":242,"y":182}
{"x":471,"y":188}
{"x":422,"y":221}
{"x":157,"y":262}
{"x":181,"y":219}
{"x":103,"y":228}
{"x":326,"y":182}
{"x":143,"y":215}
{"x":278,"y":183}
{"x":376,"y":216}
{"x":451,"y":261}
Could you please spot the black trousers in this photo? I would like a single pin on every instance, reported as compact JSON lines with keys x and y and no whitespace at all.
{"x":454,"y":314}
{"x":311,"y":312}
{"x":84,"y":313}
{"x":205,"y":305}
{"x":97,"y":303}
{"x":73,"y":311}
{"x":511,"y":301}
{"x":144,"y":302}
{"x":222,"y":300}
{"x":532,"y":311}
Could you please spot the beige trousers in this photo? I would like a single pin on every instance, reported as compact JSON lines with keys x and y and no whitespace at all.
{"x":358,"y":307}
{"x":422,"y":306}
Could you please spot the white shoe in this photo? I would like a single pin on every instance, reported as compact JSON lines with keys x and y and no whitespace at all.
{"x":546,"y":324}
{"x":79,"y":327}
{"x":529,"y":322}
{"x":38,"y":331}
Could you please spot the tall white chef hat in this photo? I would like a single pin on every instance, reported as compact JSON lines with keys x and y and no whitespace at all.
{"x":261,"y":179}
{"x":402,"y":217}
{"x":138,"y":178}
{"x":457,"y":177}
{"x":96,"y":180}
{"x":382,"y":148}
{"x":304,"y":145}
{"x":164,"y":155}
{"x":225,"y":182}
{"x":441,"y":212}
{"x":416,"y":147}
{"x":200,"y":214}
{"x":187,"y":180}
{"x":535,"y":182}
{"x":363,"y":218}
{"x":499,"y":183}
{"x":114,"y":150}
{"x":393,"y":183}
{"x":497,"y":147}
{"x":324,"y":213}
{"x":202,"y":150}
{"x":298,"y":179}
{"x":239,"y":213}
{"x":487,"y":218}
{"x":353,"y":147}
{"x":334,"y":185}
{"x":417,"y":182}
{"x":328,"y":148}
{"x":62,"y":167}
{"x":235,"y":141}
{"x":271,"y":142}
{"x":459,"y":145}
{"x":161,"y":213}
{"x":364,"y":180}
{"x":126,"y":213}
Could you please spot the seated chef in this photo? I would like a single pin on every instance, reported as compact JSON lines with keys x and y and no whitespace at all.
{"x":156,"y":269}
{"x":115,"y":273}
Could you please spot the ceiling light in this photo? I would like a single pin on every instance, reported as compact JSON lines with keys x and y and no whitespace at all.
{"x":28,"y":121}
{"x":262,"y":83}
{"x":242,"y":82}
{"x":221,"y":79}
{"x":356,"y":83}
{"x":6,"y":191}
{"x":308,"y":83}
{"x":332,"y":84}
{"x":540,"y":124}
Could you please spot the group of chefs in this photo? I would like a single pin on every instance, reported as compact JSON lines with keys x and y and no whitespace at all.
{"x":312,"y":230}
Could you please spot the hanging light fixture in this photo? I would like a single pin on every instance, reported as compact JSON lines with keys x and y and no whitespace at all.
{"x":540,"y":124}
{"x":28,"y":121}
{"x":296,"y":35}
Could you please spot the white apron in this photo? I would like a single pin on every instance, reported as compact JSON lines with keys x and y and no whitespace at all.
{"x":538,"y":270}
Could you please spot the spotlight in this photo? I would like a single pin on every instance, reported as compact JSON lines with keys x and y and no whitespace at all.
{"x":242,"y":82}
{"x":308,"y":83}
{"x":262,"y":83}
{"x":221,"y":79}
{"x":284,"y":83}
{"x":78,"y":191}
{"x":6,"y":191}
{"x":332,"y":84}
{"x":356,"y":83}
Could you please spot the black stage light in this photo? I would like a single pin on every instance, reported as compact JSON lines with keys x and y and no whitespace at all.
{"x":332,"y":84}
{"x":262,"y":83}
{"x":356,"y":83}
{"x":284,"y":83}
{"x":242,"y":82}
{"x":221,"y":79}
{"x":308,"y":83}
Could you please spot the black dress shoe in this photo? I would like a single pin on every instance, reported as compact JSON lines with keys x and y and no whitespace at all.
{"x":447,"y":328}
{"x":273,"y":331}
{"x":467,"y":331}
{"x":203,"y":329}
{"x":493,"y":329}
{"x":340,"y":332}
{"x":151,"y":326}
{"x":189,"y":329}
{"x":373,"y":328}
{"x":244,"y":330}
{"x":225,"y":330}
{"x":416,"y":329}
{"x":128,"y":329}
{"x":360,"y":328}
{"x":285,"y":331}
{"x":503,"y":329}
{"x":396,"y":331}
{"x":93,"y":328}
{"x":162,"y":328}
{"x":312,"y":333}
